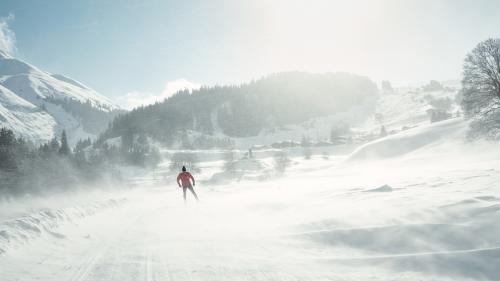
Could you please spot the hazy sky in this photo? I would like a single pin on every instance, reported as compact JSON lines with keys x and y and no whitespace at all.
{"x":134,"y":47}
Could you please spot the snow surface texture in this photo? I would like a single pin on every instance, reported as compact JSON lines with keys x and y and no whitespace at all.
{"x":23,"y":90}
{"x":428,"y":212}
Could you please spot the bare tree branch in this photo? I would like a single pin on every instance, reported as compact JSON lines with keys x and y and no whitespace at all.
{"x":481,"y":82}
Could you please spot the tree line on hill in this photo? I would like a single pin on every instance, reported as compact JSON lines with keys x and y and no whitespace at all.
{"x":26,"y":168}
{"x":245,"y":110}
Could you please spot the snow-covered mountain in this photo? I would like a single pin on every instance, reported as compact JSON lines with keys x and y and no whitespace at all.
{"x":38,"y":105}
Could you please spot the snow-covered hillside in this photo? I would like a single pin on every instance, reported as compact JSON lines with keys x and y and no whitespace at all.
{"x":30,"y":101}
{"x":399,"y":110}
{"x":408,"y":107}
{"x":24,"y":118}
{"x":426,"y":212}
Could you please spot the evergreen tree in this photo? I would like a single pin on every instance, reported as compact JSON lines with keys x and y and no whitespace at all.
{"x":127,"y":140}
{"x":54,"y":146}
{"x":64,"y":149}
{"x":7,"y":147}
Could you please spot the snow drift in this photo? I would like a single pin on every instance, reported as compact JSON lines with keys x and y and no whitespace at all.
{"x":411,"y":140}
{"x":22,"y":230}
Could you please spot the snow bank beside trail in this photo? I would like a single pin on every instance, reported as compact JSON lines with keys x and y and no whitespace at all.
{"x":410,"y":140}
{"x":19,"y":231}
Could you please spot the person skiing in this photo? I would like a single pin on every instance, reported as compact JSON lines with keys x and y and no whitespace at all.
{"x":184,"y":180}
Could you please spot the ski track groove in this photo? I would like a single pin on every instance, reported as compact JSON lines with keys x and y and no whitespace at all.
{"x":165,"y":266}
{"x":148,"y":264}
{"x":115,"y":263}
{"x":83,"y":271}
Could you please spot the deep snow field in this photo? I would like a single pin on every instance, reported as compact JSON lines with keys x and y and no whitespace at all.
{"x":418,"y":205}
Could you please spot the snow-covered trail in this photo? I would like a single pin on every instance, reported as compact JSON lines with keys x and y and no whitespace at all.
{"x":158,"y":238}
{"x":151,"y":240}
{"x":435,"y":220}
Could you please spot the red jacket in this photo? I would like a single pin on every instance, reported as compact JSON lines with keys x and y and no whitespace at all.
{"x":183,"y":178}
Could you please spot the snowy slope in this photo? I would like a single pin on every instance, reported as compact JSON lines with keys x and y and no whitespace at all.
{"x":413,"y":139}
{"x":316,"y":129}
{"x":406,"y":107}
{"x":27,"y":100}
{"x":431,"y":217}
{"x":402,"y":109}
{"x":25,"y":118}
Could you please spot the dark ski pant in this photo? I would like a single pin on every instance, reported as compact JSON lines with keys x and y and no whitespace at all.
{"x":190,"y":189}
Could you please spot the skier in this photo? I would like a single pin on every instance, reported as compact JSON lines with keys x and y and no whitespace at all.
{"x":184,"y":180}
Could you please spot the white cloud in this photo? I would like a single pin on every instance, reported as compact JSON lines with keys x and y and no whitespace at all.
{"x":7,"y":36}
{"x":136,"y":98}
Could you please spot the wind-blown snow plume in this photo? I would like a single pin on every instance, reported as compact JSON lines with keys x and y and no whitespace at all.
{"x":7,"y":36}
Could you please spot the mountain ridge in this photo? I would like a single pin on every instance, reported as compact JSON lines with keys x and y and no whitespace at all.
{"x":38,"y":105}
